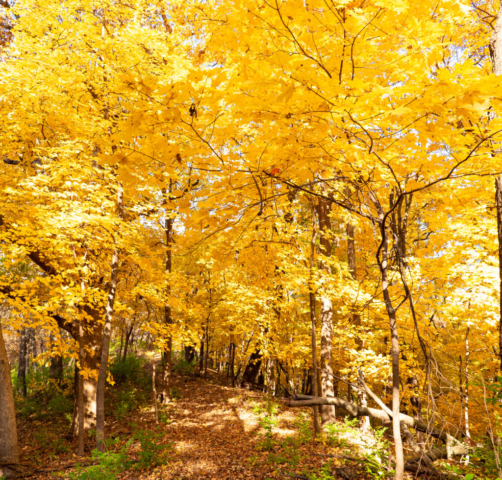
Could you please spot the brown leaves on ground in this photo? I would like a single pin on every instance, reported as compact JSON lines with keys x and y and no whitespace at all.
{"x":209,"y":431}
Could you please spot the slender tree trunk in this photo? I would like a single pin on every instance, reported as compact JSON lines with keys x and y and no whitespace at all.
{"x":9,"y":454}
{"x":21,"y":370}
{"x":327,"y":385}
{"x":128,"y":339}
{"x":496,"y":56}
{"x":105,"y":349}
{"x":207,"y":349}
{"x":317,"y":427}
{"x":33,"y":345}
{"x":232,"y":363}
{"x":166,"y":373}
{"x":121,"y":342}
{"x":154,"y":388}
{"x":79,"y":384}
{"x":466,"y":398}
{"x":56,"y":365}
{"x":364,"y":422}
{"x":498,"y":199}
{"x":391,"y":312}
{"x":271,"y":377}
{"x":201,"y":355}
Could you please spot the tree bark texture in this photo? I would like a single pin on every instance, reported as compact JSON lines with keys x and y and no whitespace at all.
{"x":105,"y":350}
{"x":327,"y":386}
{"x":167,"y":354}
{"x":496,"y":56}
{"x":252,"y":369}
{"x":23,"y":355}
{"x":364,"y":423}
{"x":56,"y":366}
{"x":396,"y":427}
{"x":9,"y":454}
{"x":313,"y":322}
{"x":498,"y":198}
{"x":92,"y":332}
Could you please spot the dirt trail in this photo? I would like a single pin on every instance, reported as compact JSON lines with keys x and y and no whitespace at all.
{"x":213,"y":428}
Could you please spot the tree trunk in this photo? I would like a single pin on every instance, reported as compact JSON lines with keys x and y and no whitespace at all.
{"x":207,"y":348}
{"x":21,"y":369}
{"x":105,"y":349}
{"x":498,"y":198}
{"x":271,"y":377}
{"x":201,"y":355}
{"x":128,"y":337}
{"x":466,"y":398}
{"x":313,"y":322}
{"x":33,"y":344}
{"x":327,"y":386}
{"x":79,"y":392}
{"x":252,"y":369}
{"x":496,"y":56}
{"x":9,"y":455}
{"x":92,"y":339}
{"x":189,"y":353}
{"x":56,"y":365}
{"x":396,"y":426}
{"x":364,"y":422}
{"x":232,"y":364}
{"x":167,"y":354}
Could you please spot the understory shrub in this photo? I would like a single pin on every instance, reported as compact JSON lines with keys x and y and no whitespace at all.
{"x":131,"y":370}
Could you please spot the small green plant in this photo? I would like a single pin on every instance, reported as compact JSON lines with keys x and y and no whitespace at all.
{"x":324,"y":473}
{"x":375,"y":460}
{"x":110,"y":464}
{"x":175,"y":393}
{"x":268,"y":421}
{"x":290,"y":453}
{"x":333,"y":432}
{"x":303,"y":425}
{"x":127,"y":401}
{"x":165,"y":417}
{"x":373,"y":466}
{"x":152,"y":452}
{"x":130,"y":371}
{"x":60,"y":404}
{"x":183,"y":367}
{"x":485,"y":457}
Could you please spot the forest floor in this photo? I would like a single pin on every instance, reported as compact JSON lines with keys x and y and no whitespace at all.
{"x":208,"y":431}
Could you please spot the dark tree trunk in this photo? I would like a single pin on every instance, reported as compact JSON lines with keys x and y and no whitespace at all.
{"x":189,"y":353}
{"x":56,"y":366}
{"x":498,"y":198}
{"x":128,"y":338}
{"x":167,"y":354}
{"x":9,"y":455}
{"x":252,"y":369}
{"x":364,"y":422}
{"x":496,"y":56}
{"x":201,"y":356}
{"x":21,"y":370}
{"x":105,"y":348}
{"x":327,"y":384}
{"x":231,"y":365}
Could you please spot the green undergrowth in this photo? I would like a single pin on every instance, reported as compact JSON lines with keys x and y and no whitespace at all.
{"x":291,"y":453}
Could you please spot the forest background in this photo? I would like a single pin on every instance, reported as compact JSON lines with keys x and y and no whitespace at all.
{"x":294,"y":190}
